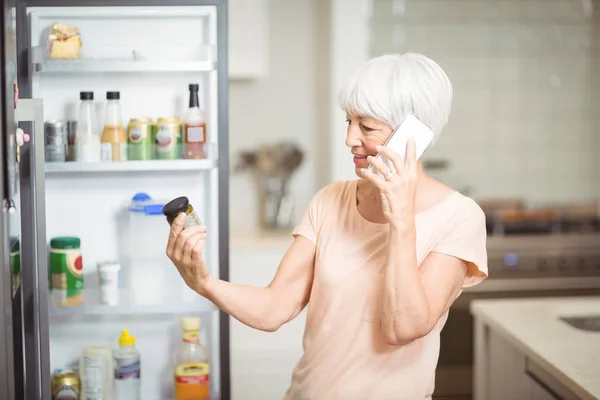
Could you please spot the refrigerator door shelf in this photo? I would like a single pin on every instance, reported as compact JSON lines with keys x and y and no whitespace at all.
{"x":131,"y":166}
{"x":119,"y":59}
{"x":168,"y":305}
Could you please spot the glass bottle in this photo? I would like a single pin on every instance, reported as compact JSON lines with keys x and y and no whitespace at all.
{"x":114,"y":140}
{"x":87,"y":137}
{"x":194,"y":127}
{"x":190,"y":360}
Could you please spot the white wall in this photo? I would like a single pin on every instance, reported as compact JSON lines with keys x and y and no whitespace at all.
{"x":282,"y":105}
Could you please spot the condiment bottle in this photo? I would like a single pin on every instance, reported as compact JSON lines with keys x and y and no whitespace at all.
{"x":127,"y":369}
{"x":181,"y":205}
{"x":87,"y":137}
{"x":194,"y":127}
{"x":114,"y":140}
{"x":96,"y":371}
{"x":191,"y":367}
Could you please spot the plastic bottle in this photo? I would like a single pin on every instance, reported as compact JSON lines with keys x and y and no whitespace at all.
{"x":87,"y":137}
{"x":127,"y":369}
{"x":96,"y":371}
{"x":114,"y":140}
{"x":190,"y":360}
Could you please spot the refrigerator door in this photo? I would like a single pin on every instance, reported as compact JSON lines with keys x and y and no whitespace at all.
{"x":34,"y":255}
{"x":11,"y":330}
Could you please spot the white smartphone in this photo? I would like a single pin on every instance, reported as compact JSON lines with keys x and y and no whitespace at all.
{"x":410,"y":127}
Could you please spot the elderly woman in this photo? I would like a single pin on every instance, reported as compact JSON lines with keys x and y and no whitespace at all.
{"x":378,"y":260}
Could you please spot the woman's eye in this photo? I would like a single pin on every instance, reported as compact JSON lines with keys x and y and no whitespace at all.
{"x":366,"y":128}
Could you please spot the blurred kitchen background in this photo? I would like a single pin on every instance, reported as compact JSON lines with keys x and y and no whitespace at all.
{"x":522,"y":140}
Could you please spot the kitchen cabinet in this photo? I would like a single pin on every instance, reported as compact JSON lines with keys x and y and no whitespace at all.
{"x":261,"y":362}
{"x":503,"y":371}
{"x":248,"y":39}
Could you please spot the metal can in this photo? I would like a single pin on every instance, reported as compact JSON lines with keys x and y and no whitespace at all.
{"x":66,"y":271}
{"x":55,"y":141}
{"x":140,"y":136}
{"x":168,"y":139}
{"x":181,"y":205}
{"x":65,"y":385}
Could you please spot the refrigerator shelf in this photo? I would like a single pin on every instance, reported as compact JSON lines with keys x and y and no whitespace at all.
{"x":102,"y":66}
{"x":131,"y":166}
{"x":127,"y":307}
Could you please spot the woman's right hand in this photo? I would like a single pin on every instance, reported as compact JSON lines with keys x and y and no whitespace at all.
{"x":184,"y":248}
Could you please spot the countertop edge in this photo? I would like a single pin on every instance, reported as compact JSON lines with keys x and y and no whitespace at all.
{"x":477,"y":309}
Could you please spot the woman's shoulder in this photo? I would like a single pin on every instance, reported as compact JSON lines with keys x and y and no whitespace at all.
{"x":335,"y":190}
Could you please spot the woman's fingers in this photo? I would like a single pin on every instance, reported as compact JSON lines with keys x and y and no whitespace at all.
{"x":182,"y":238}
{"x":393,"y":157}
{"x":176,"y":228}
{"x":190,"y":244}
{"x":378,"y":165}
{"x":376,"y":179}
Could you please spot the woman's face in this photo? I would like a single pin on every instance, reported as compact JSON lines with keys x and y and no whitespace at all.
{"x":364,"y":135}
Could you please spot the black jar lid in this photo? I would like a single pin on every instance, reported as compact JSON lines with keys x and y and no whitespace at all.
{"x":175,"y":207}
{"x":86,"y":95}
{"x":113,"y":95}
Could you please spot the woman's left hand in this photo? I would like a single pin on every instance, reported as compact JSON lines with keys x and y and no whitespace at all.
{"x":397,"y":189}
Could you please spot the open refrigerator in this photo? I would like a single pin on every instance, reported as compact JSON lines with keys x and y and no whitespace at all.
{"x":151,"y":52}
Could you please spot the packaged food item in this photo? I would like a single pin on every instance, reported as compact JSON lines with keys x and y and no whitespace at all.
{"x":96,"y":371}
{"x":194,"y":127}
{"x":127,"y":369}
{"x":191,"y":366}
{"x":168,"y":139}
{"x":65,"y":385}
{"x":66,"y":271}
{"x":64,"y":41}
{"x":55,"y":141}
{"x":87,"y":137}
{"x":140,"y":139}
{"x":114,"y":140}
{"x":181,"y":205}
{"x":108,"y":278}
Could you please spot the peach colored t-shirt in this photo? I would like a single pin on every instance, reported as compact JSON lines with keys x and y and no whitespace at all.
{"x":345,"y":354}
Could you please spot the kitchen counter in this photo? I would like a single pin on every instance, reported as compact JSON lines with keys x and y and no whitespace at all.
{"x":533,"y":327}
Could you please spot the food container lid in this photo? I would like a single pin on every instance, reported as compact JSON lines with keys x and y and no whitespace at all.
{"x":65,"y":243}
{"x":110,"y":265}
{"x":176,"y":206}
{"x":139,"y":201}
{"x":154,"y":209}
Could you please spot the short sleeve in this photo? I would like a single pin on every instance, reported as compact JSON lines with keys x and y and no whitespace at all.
{"x":467,"y":241}
{"x":312,"y":219}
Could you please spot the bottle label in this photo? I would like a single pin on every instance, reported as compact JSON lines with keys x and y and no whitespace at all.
{"x":195,"y":134}
{"x":192,"y":373}
{"x":191,"y":336}
{"x":127,"y":369}
{"x":92,"y":374}
{"x":106,"y":152}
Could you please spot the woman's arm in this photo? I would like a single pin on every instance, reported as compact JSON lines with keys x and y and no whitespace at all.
{"x":415,"y":298}
{"x":262,"y":308}
{"x":270,"y":307}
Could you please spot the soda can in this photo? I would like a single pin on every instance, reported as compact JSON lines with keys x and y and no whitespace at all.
{"x":65,"y":385}
{"x":168,"y":139}
{"x":140,"y":136}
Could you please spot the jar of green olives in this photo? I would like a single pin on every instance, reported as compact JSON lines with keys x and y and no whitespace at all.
{"x":181,"y":205}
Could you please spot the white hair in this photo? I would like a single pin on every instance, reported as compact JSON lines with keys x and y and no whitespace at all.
{"x":389,"y":87}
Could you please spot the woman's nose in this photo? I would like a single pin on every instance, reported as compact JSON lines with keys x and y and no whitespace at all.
{"x":353,"y":138}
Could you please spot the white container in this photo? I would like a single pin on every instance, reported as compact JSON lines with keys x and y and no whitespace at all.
{"x":108,"y":278}
{"x":96,"y":371}
{"x":150,"y":272}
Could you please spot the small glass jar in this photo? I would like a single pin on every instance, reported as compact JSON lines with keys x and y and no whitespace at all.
{"x":181,"y":205}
